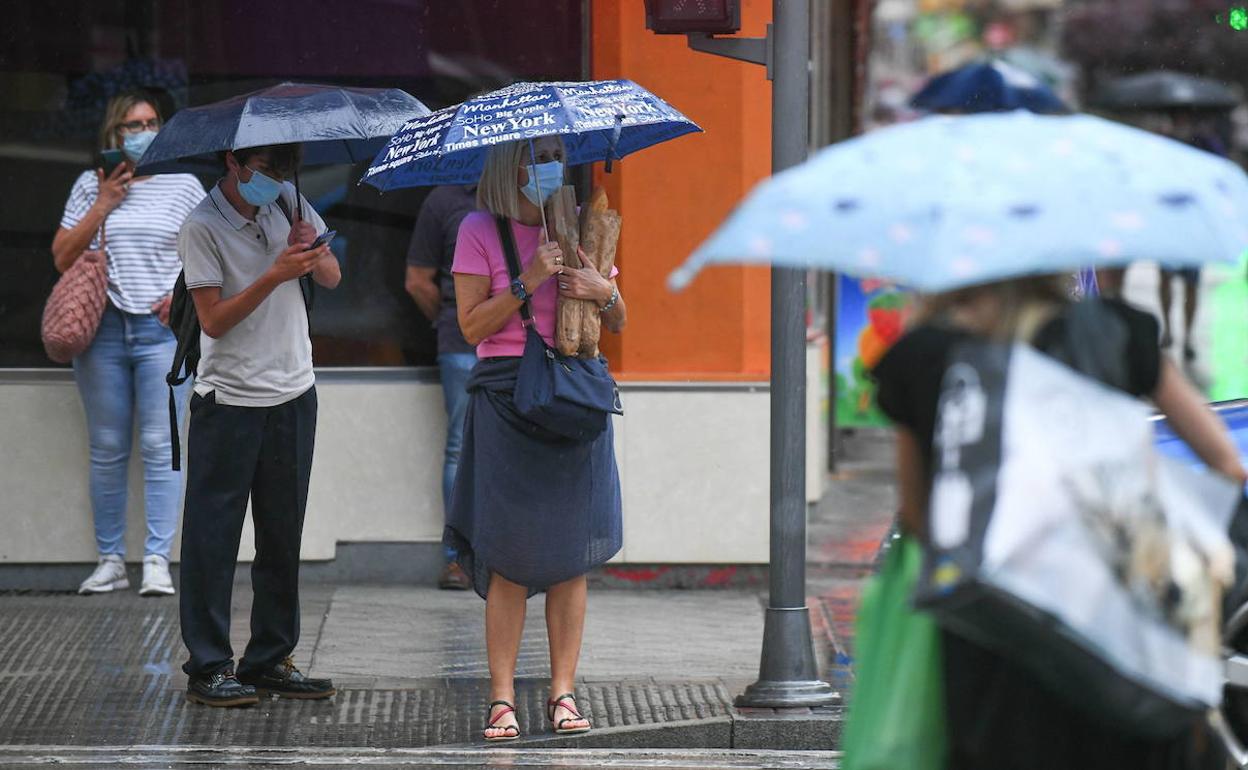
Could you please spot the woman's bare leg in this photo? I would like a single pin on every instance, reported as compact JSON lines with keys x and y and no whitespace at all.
{"x":1191,"y":295}
{"x":504,"y":625}
{"x":565,"y":624}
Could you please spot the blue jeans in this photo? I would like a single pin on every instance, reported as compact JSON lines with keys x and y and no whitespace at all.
{"x":454,"y":369}
{"x":120,"y":376}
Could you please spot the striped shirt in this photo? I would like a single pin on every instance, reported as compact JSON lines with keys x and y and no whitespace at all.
{"x":141,"y":235}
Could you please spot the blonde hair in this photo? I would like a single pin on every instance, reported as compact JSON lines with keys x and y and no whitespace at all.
{"x":1021,"y":305}
{"x":498,"y":192}
{"x":115,"y":114}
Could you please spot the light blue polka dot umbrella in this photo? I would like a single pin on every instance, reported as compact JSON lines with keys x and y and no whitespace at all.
{"x":950,"y":201}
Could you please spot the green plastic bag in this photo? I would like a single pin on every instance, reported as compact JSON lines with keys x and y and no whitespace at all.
{"x":897,"y":712}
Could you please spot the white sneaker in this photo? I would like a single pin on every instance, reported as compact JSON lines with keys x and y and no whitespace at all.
{"x":109,"y":575}
{"x":156,"y":580}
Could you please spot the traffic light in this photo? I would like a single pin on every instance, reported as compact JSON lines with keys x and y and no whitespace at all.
{"x":681,"y":17}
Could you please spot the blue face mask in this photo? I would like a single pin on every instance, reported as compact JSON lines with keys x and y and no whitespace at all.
{"x":547,"y":176}
{"x":134,"y":145}
{"x":261,"y":190}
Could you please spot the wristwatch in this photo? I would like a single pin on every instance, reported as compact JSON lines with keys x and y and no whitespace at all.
{"x":517,"y":289}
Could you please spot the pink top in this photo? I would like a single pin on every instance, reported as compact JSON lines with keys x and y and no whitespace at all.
{"x":478,"y":252}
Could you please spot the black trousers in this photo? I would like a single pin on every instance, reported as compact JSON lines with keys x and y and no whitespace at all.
{"x":233,"y":453}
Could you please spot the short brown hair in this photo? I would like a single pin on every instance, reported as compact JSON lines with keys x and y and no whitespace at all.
{"x":115,"y":114}
{"x":283,"y":158}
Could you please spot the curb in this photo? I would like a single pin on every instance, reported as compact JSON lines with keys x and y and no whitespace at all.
{"x":799,"y":729}
{"x":227,"y":756}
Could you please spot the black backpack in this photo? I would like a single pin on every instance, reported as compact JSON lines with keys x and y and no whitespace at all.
{"x":184,"y":322}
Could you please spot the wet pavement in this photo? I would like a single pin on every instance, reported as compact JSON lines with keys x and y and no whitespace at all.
{"x":95,"y":681}
{"x":409,"y":664}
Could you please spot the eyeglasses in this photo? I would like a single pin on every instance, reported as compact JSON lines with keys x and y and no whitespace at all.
{"x":135,"y":126}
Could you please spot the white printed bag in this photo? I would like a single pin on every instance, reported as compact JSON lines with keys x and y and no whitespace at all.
{"x":1061,"y":539}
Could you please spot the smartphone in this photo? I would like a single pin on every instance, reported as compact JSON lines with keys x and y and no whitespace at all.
{"x":109,"y":160}
{"x":323,"y":239}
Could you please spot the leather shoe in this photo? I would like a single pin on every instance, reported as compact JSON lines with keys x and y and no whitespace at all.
{"x":220,"y":689}
{"x":454,"y":578}
{"x":286,"y":681}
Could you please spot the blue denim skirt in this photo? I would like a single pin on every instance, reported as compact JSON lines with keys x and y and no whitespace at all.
{"x":533,"y":506}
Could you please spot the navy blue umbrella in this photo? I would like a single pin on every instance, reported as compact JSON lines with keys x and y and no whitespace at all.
{"x":597,"y":119}
{"x":989,"y":86}
{"x":334,"y":124}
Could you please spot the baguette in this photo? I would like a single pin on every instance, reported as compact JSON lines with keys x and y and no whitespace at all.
{"x":600,"y":234}
{"x":562,"y":220}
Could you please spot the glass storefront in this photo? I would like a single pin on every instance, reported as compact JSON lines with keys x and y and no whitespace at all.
{"x":60,"y":61}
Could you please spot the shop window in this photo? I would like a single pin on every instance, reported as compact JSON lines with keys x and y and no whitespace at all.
{"x":60,"y":60}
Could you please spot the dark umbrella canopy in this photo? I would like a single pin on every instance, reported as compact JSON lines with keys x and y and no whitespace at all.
{"x":334,"y":124}
{"x":1162,"y":90}
{"x":990,"y":86}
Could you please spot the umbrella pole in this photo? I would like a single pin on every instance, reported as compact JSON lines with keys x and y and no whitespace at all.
{"x":298,"y":198}
{"x":538,"y":184}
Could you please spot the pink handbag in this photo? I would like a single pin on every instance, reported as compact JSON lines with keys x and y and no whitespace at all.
{"x":73,"y":311}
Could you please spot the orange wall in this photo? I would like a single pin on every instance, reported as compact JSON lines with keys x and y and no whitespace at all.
{"x":673,"y":195}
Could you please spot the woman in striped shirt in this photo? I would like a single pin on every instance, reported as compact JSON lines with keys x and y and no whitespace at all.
{"x":122,"y":375}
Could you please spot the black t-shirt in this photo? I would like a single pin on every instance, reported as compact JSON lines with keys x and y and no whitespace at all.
{"x":909,"y":376}
{"x":433,"y":245}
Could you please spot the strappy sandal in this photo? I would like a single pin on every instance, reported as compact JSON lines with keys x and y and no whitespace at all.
{"x":510,"y":732}
{"x":553,"y":705}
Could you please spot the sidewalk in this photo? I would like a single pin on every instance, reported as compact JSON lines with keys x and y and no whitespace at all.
{"x":661,"y":666}
{"x":845,"y":533}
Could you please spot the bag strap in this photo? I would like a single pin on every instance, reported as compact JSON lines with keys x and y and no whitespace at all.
{"x":285,"y":207}
{"x":513,"y":262}
{"x":305,"y":281}
{"x":101,"y":235}
{"x":187,"y":336}
{"x":175,"y":444}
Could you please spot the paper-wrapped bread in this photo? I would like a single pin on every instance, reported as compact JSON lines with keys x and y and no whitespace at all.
{"x":562,"y":220}
{"x":600,"y":234}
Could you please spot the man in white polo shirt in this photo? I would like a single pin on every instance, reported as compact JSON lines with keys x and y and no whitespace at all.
{"x":253,"y":423}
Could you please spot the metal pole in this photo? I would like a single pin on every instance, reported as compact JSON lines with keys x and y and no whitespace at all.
{"x":788,"y":676}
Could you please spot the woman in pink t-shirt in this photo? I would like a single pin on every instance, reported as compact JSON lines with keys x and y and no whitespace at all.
{"x":531,"y":511}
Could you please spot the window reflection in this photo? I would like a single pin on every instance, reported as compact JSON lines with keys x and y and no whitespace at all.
{"x":60,"y":61}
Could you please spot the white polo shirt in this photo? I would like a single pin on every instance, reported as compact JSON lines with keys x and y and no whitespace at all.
{"x":266,"y":359}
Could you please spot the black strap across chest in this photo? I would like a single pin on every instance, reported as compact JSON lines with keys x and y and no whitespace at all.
{"x":513,"y":261}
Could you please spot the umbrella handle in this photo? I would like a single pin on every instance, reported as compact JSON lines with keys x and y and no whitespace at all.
{"x":615,"y":138}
